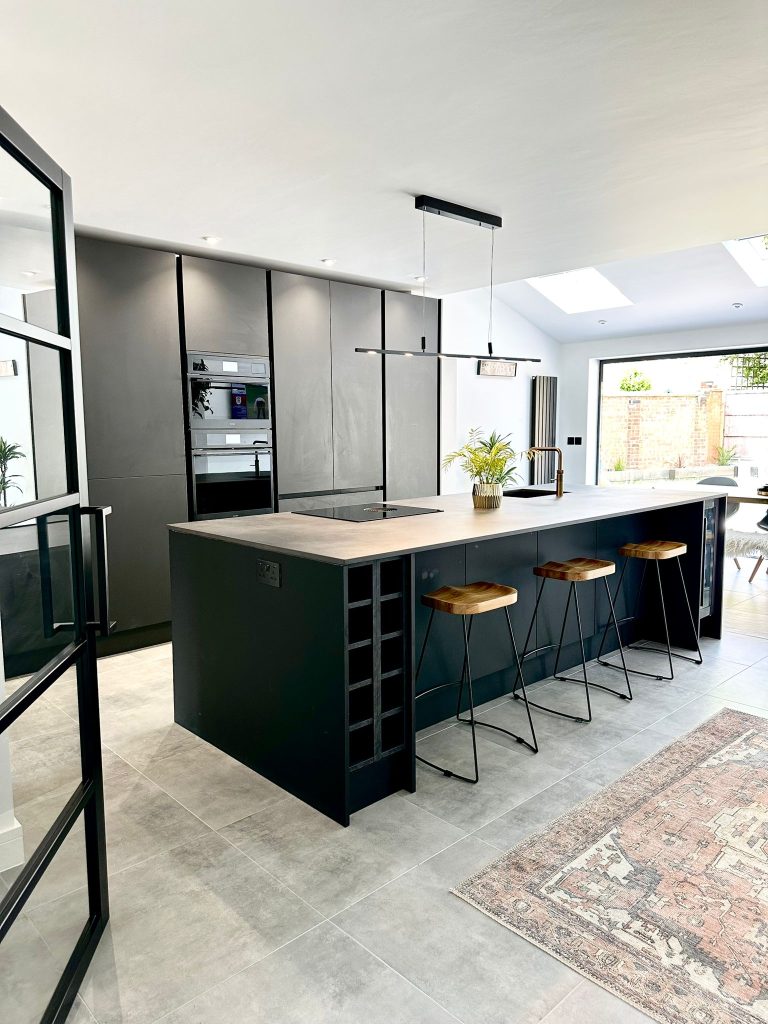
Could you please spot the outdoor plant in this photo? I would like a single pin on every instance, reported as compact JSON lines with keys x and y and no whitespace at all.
{"x":725,"y":456}
{"x":752,"y":367}
{"x":8,"y":453}
{"x":490,"y":460}
{"x":619,"y":466}
{"x":635,"y":380}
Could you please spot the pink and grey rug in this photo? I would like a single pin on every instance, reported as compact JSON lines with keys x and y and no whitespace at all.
{"x":657,"y":887}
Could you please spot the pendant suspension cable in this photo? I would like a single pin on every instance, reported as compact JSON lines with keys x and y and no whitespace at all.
{"x":490,"y":302}
{"x":423,"y":281}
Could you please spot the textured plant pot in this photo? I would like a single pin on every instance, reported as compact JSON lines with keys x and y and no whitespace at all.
{"x":487,"y":495}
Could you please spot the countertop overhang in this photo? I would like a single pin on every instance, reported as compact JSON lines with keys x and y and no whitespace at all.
{"x":344,"y":543}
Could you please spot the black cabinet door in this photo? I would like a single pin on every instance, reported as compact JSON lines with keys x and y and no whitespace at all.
{"x":411,"y":407}
{"x":301,"y":325}
{"x":129,"y":332}
{"x":139,"y":577}
{"x":225,"y":307}
{"x":357,"y":380}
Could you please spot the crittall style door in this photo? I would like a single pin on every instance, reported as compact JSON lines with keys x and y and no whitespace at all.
{"x":53,"y":603}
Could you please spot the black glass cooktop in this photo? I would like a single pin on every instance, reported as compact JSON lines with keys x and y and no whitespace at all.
{"x":368,"y":513}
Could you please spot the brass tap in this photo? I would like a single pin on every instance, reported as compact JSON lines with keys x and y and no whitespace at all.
{"x":559,"y":476}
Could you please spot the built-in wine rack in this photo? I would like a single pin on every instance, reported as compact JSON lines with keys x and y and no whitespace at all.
{"x":376,"y":642}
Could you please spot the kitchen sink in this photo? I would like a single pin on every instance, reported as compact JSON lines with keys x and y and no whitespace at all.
{"x":530,"y":492}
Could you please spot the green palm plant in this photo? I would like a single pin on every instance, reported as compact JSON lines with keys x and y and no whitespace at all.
{"x":490,"y":460}
{"x":8,"y":452}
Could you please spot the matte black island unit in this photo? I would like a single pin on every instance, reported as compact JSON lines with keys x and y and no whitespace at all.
{"x":294,"y":635}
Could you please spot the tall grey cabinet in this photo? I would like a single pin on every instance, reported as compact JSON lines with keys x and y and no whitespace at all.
{"x":134,"y":429}
{"x":327,"y":396}
{"x":225,"y":307}
{"x":411,"y":390}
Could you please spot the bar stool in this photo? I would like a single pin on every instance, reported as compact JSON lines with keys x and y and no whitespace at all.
{"x":574,"y":571}
{"x":657,"y":551}
{"x":468,"y":601}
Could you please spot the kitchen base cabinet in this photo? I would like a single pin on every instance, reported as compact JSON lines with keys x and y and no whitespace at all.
{"x":137,"y":540}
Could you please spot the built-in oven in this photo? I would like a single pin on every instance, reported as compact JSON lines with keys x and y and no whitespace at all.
{"x":230,"y":435}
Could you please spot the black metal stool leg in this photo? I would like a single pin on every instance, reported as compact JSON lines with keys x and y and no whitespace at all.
{"x":700,"y":659}
{"x":532,"y":704}
{"x":526,"y":652}
{"x":490,"y":725}
{"x":664,"y":620}
{"x":465,"y":672}
{"x":623,"y":667}
{"x":424,"y":645}
{"x":628,"y":647}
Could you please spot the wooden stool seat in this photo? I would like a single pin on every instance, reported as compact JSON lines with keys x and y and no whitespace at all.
{"x":470,"y":599}
{"x":655,"y":550}
{"x":575,"y":570}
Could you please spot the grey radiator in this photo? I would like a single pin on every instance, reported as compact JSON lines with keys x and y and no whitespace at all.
{"x":543,"y":427}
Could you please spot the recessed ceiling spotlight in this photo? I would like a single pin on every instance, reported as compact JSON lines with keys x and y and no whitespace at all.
{"x":420,"y":278}
{"x":211,"y":239}
{"x":603,"y":322}
{"x":579,"y":291}
{"x":737,"y":305}
{"x":329,"y":261}
{"x":30,"y":273}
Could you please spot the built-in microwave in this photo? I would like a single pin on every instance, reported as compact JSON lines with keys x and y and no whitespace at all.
{"x":229,"y":412}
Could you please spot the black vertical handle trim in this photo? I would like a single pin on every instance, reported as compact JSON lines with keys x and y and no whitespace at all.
{"x":46,"y":584}
{"x":99,"y":514}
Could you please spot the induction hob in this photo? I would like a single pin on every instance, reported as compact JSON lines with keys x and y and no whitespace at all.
{"x":372,"y":513}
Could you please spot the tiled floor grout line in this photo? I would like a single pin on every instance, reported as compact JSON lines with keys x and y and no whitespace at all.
{"x":235,"y":974}
{"x":581,"y":982}
{"x":395,"y":971}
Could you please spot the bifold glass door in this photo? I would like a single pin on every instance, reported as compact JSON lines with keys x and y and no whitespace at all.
{"x":53,"y":602}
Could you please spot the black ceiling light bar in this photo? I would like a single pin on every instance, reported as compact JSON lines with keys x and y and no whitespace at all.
{"x":442,"y":208}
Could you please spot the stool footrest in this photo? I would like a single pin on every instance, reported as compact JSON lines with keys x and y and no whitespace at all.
{"x":633,"y":671}
{"x":598,"y":686}
{"x":508,"y":732}
{"x":446,"y":771}
{"x":552,"y":711}
{"x":644,"y":646}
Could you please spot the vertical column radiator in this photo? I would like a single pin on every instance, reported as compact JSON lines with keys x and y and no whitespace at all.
{"x":543,"y":427}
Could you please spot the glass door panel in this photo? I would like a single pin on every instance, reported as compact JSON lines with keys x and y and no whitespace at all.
{"x":27,"y":265}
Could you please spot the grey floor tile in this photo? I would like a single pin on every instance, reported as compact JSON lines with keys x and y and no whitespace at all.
{"x":180,"y":923}
{"x":28,"y":974}
{"x":147,"y":733}
{"x":213,"y":785}
{"x":507,"y":777}
{"x":527,"y":818}
{"x":141,"y":820}
{"x":43,"y":763}
{"x":595,"y":1005}
{"x":476,"y":968}
{"x":620,"y":759}
{"x":80,"y":1014}
{"x":324,"y":976}
{"x":698,"y":711}
{"x":41,"y":719}
{"x":750,"y":686}
{"x":330,"y":866}
{"x":737,"y":647}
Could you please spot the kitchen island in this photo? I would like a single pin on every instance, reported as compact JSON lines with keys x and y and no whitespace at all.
{"x":294,"y":636}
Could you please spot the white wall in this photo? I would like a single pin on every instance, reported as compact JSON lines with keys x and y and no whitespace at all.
{"x":579,"y":379}
{"x":501,"y":404}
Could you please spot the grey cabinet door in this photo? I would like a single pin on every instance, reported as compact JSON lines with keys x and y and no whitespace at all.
{"x":410,"y":387}
{"x":139,"y":579}
{"x":129,"y":334}
{"x":357,"y":383}
{"x":301,"y":327}
{"x":225,"y":307}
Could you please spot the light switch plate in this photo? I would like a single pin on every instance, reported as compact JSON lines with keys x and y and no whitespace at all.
{"x":268,"y":573}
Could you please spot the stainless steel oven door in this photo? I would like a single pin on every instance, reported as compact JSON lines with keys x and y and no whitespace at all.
{"x":232,"y":482}
{"x":224,"y":404}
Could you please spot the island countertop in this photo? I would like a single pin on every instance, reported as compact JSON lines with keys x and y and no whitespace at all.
{"x":344,"y":543}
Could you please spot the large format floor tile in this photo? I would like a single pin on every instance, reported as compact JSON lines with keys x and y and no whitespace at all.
{"x":180,"y":923}
{"x":590,"y":1003}
{"x":324,"y":976}
{"x":473,"y":966}
{"x":213,"y":785}
{"x":330,"y":866}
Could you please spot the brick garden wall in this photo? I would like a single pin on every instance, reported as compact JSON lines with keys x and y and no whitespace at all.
{"x":650,"y":430}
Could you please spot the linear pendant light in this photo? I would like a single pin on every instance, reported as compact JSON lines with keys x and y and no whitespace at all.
{"x":442,"y":208}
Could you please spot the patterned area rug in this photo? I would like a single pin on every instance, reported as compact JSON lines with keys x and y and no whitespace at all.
{"x":657,"y":887}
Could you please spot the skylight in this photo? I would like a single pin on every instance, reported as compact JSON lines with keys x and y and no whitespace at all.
{"x":579,"y":291}
{"x":752,"y":256}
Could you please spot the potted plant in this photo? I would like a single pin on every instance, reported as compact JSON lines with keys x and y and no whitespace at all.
{"x":8,"y":452}
{"x":490,"y":462}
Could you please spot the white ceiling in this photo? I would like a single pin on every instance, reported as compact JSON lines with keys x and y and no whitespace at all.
{"x":673,"y":291}
{"x":600,"y":130}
